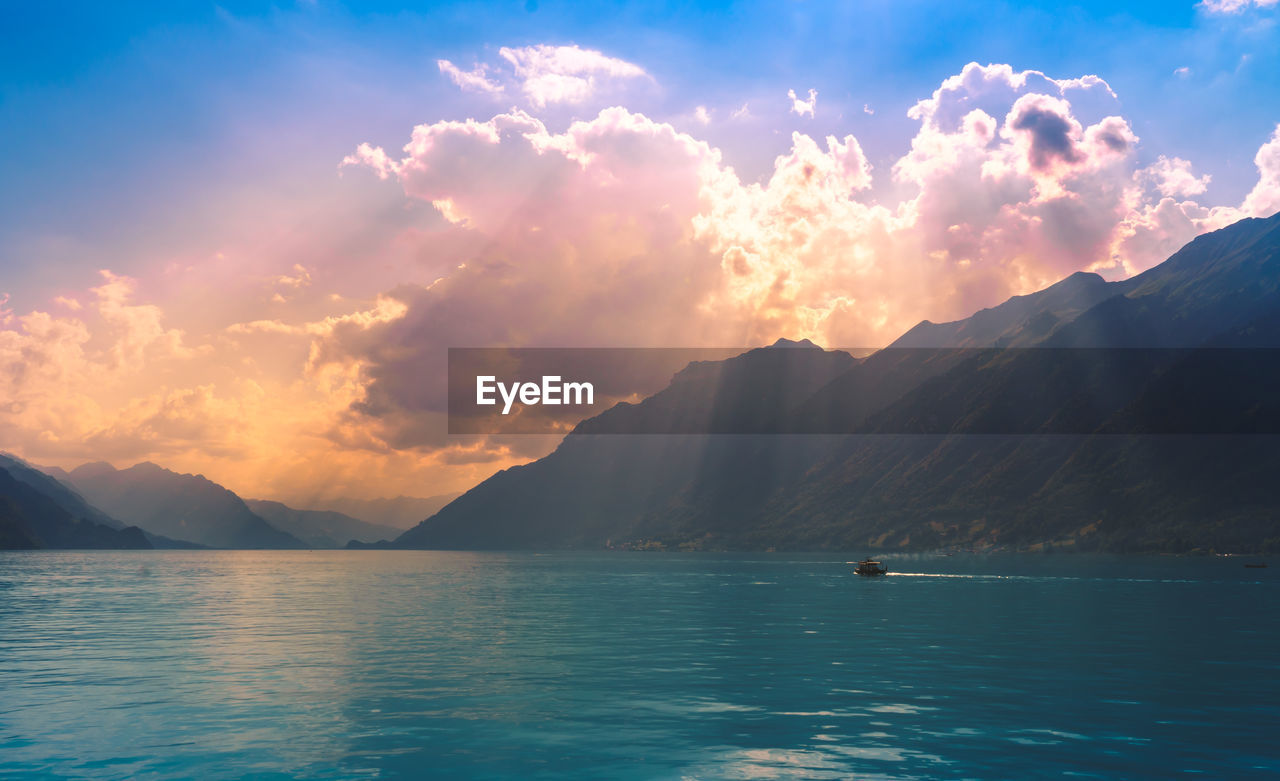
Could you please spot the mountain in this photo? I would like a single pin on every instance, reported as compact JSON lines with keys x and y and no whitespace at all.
{"x":187,"y":507}
{"x":55,"y":483}
{"x":1020,"y":321}
{"x":30,"y":518}
{"x":56,"y":490}
{"x":1216,"y":284}
{"x":320,"y":528}
{"x":1139,"y":415}
{"x":751,"y":393}
{"x":56,"y":472}
{"x":399,"y":512}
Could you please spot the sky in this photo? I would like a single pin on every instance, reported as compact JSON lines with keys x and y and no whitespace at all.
{"x":237,"y":239}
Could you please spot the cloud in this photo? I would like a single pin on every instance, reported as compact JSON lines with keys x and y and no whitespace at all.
{"x":1233,"y":6}
{"x":385,"y":310}
{"x":989,"y":87}
{"x":565,"y":74}
{"x":58,"y":374}
{"x":296,"y":279}
{"x":624,"y":231}
{"x":474,"y":80}
{"x":1047,"y":131}
{"x":374,"y":158}
{"x":546,"y":75}
{"x":615,"y":230}
{"x":1264,"y":199}
{"x":801,"y":107}
{"x":587,"y":238}
{"x":1172,"y":177}
{"x":138,"y":329}
{"x":1018,"y":204}
{"x":115,"y":381}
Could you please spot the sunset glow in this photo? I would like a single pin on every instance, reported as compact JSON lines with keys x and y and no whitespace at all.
{"x":263,"y":289}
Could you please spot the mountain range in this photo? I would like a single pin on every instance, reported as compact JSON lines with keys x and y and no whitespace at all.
{"x":1135,"y":415}
{"x":398,"y":512}
{"x":318,"y":528}
{"x":48,"y":507}
{"x":1138,"y":415}
{"x":36,"y":511}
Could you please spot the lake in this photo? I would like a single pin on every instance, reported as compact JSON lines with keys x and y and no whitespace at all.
{"x":408,"y":664}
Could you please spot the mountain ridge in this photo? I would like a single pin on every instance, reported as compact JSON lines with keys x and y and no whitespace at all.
{"x":319,"y":528}
{"x":884,"y":487}
{"x":30,"y":519}
{"x":398,"y":512}
{"x":181,"y":506}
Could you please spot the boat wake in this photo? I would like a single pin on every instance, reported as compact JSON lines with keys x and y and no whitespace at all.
{"x":1041,"y":578}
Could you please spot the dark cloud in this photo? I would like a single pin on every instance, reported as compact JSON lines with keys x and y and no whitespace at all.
{"x":1051,"y":134}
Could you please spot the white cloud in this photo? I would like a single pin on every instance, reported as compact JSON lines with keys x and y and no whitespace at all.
{"x":372,"y":157}
{"x":802,"y":107}
{"x":546,"y":74}
{"x":138,"y":328}
{"x":1264,"y":199}
{"x":587,"y":233}
{"x":475,"y":80}
{"x":991,"y":87}
{"x":384,"y":310}
{"x":565,"y":74}
{"x":1233,"y":6}
{"x":1173,"y":177}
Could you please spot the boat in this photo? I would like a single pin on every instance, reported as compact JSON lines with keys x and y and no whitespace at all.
{"x":870,"y":567}
{"x":1259,"y":565}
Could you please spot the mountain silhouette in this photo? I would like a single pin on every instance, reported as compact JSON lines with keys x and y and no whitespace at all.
{"x":34,"y":513}
{"x":398,"y":513}
{"x":55,"y":483}
{"x":187,"y":507}
{"x":1134,"y":415}
{"x":57,"y":490}
{"x":319,"y":528}
{"x":1020,"y":321}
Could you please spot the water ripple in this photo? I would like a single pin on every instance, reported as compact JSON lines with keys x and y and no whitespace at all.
{"x":384,"y":664}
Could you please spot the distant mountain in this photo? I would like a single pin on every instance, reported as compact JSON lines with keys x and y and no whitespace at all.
{"x":186,"y":507}
{"x":399,"y":512}
{"x":320,"y":528}
{"x":30,"y":518}
{"x":55,"y":489}
{"x":56,"y":472}
{"x":1102,"y":430}
{"x":55,"y":483}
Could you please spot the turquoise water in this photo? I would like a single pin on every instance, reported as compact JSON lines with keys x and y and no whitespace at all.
{"x":382,"y":664}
